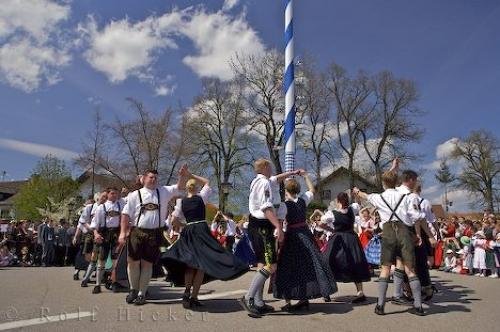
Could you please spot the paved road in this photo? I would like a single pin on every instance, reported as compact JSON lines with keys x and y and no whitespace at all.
{"x":30,"y":295}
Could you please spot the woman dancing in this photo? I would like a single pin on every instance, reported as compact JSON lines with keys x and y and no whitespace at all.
{"x":344,"y":251}
{"x":301,"y":273}
{"x":196,"y":257}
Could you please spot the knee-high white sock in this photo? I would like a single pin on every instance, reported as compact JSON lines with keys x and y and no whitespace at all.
{"x":134,"y":273}
{"x":100,"y":272}
{"x":146,"y":273}
{"x":89,"y":271}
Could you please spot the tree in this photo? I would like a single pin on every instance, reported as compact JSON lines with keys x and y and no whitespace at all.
{"x":480,"y":152}
{"x":146,"y":142}
{"x":349,"y":95}
{"x":445,"y":177}
{"x":316,"y":132}
{"x":49,"y":185}
{"x":263,"y":79}
{"x":390,"y":122}
{"x":218,"y":126}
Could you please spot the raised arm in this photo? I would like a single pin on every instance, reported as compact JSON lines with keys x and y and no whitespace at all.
{"x":281,"y":177}
{"x":309,"y":184}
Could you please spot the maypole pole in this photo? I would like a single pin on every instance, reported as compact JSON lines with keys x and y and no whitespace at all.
{"x":289,"y":89}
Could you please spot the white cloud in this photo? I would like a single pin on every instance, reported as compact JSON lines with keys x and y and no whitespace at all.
{"x":122,"y":48}
{"x":443,"y":151}
{"x":39,"y":150}
{"x":218,"y":38}
{"x":229,"y":4}
{"x":31,"y":48}
{"x":164,"y":90}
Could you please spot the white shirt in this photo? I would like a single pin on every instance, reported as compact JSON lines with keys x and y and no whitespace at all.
{"x":392,"y":197}
{"x":426,"y":208}
{"x":204,"y":194}
{"x":150,"y":219}
{"x":261,"y":196}
{"x":103,"y":220}
{"x":414,"y":212}
{"x":85,"y":218}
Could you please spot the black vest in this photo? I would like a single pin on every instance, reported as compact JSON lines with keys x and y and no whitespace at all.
{"x":344,"y":222}
{"x":193,"y":208}
{"x":295,"y":211}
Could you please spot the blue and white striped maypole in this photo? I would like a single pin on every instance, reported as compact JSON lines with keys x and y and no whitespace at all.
{"x":289,"y":87}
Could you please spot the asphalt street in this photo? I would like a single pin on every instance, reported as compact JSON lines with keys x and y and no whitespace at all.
{"x":47,"y":299}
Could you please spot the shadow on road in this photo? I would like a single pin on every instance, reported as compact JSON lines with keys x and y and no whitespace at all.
{"x":450,"y":293}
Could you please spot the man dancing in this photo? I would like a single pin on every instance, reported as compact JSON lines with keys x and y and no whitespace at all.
{"x":144,"y":216}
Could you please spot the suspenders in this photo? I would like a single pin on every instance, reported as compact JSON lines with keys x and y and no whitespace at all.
{"x":393,"y":214}
{"x":105,"y":214}
{"x":420,"y":204}
{"x":142,"y":207}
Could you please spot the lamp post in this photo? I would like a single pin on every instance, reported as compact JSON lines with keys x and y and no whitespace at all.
{"x":225,"y":188}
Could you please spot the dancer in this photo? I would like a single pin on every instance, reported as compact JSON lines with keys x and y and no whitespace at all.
{"x":301,"y":272}
{"x":89,"y":245}
{"x":398,"y":245}
{"x":106,"y":226}
{"x":143,"y":218}
{"x":262,"y":224}
{"x":344,"y":251}
{"x":81,"y":238}
{"x":196,"y":257}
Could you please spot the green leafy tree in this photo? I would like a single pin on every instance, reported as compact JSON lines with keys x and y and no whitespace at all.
{"x":50,"y":185}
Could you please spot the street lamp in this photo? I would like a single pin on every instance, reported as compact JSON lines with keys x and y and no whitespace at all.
{"x":225,"y":188}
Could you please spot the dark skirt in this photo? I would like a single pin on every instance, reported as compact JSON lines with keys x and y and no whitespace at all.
{"x":347,"y":258}
{"x":244,"y":251}
{"x":302,"y":273}
{"x":197,"y":249}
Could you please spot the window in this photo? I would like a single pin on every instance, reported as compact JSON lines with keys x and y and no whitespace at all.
{"x":326,"y":195}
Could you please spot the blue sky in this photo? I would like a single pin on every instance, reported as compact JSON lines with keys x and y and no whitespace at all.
{"x":59,"y":61}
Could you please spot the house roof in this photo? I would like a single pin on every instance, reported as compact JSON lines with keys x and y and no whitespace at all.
{"x":344,"y":171}
{"x":103,"y":180}
{"x":11,"y":187}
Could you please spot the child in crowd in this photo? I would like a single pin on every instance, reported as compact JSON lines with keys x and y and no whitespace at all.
{"x":459,"y":262}
{"x":480,"y":243}
{"x":495,"y":246}
{"x":450,"y":262}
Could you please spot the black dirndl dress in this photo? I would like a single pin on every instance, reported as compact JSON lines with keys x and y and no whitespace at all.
{"x":196,"y":248}
{"x":302,"y":273}
{"x":344,"y":251}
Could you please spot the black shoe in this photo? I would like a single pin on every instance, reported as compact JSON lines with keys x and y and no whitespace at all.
{"x":327,"y":299}
{"x":265,"y":309}
{"x":417,"y":311}
{"x":194,"y":303}
{"x":132,"y":296}
{"x":186,"y":303}
{"x":287,"y":307}
{"x":75,"y":277}
{"x":140,"y":300}
{"x":429,"y":293}
{"x":96,"y":290}
{"x":379,"y":310}
{"x":302,"y":304}
{"x":250,"y":307}
{"x":400,"y":301}
{"x":359,"y":299}
{"x":84,"y":283}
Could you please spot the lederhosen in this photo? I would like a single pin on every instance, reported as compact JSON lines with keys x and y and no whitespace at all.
{"x":397,"y":239}
{"x":109,"y":235}
{"x":261,"y":236}
{"x":88,"y":238}
{"x":144,"y":243}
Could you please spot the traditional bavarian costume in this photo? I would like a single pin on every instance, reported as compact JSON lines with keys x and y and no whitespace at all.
{"x":344,"y":251}
{"x":107,"y":224}
{"x":196,"y":248}
{"x":301,"y":273}
{"x":147,"y":210}
{"x":84,"y":223}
